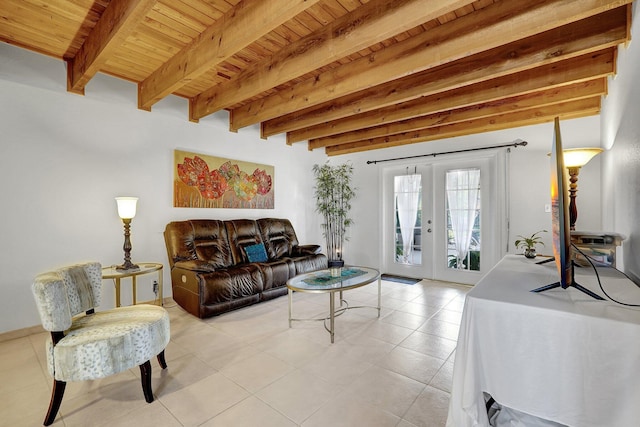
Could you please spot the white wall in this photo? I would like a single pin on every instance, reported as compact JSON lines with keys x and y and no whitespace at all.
{"x":621,"y":163}
{"x":65,"y":157}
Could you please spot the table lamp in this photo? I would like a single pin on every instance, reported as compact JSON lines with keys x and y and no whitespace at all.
{"x":574,"y":159}
{"x":126,"y":211}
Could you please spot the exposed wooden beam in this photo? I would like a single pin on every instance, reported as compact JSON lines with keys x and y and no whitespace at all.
{"x":117,"y":22}
{"x":241,"y":26}
{"x":576,"y":91}
{"x":565,"y":110}
{"x":367,"y":25}
{"x":582,"y":68}
{"x":606,"y":30}
{"x":500,"y":23}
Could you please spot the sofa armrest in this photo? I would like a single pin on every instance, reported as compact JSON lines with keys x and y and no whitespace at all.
{"x":195,"y":265}
{"x":306,"y":250}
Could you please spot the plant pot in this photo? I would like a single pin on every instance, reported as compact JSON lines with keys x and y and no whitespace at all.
{"x":530,"y":253}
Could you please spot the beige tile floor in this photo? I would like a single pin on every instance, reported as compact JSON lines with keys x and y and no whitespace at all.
{"x":248,"y":368}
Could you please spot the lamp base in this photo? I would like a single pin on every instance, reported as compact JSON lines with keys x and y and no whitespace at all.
{"x":128,"y":266}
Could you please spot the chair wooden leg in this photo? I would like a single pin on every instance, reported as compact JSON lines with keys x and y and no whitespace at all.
{"x":56,"y":400}
{"x":145,"y":377}
{"x":161,"y":361}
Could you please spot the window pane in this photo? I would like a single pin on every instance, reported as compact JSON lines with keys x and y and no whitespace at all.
{"x":408,"y":219}
{"x":463,"y":218}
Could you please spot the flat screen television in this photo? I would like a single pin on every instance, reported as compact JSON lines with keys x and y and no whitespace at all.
{"x":560,"y":220}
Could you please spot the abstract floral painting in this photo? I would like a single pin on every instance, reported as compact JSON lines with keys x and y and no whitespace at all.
{"x":202,"y":181}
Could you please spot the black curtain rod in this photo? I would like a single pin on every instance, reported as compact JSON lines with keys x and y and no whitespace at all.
{"x":513,"y":144}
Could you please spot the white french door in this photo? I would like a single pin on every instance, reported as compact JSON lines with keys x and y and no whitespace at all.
{"x":444,"y":219}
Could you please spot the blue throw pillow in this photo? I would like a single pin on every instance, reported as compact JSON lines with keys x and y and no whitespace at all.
{"x":256,"y":253}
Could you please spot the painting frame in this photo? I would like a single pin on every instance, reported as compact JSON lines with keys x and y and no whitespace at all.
{"x":207,"y":181}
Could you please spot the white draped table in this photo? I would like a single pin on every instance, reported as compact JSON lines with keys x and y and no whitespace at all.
{"x":558,"y":355}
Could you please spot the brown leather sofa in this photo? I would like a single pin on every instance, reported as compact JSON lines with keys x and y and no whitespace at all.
{"x":218,"y":266}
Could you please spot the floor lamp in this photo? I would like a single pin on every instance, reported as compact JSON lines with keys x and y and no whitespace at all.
{"x":126,"y":211}
{"x":574,"y":159}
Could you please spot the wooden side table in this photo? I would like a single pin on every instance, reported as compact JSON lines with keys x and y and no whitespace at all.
{"x":145,"y":268}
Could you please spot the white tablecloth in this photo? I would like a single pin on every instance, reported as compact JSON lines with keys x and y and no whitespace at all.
{"x":559,"y":355}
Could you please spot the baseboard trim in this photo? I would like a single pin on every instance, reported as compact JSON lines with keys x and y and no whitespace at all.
{"x":21,"y":333}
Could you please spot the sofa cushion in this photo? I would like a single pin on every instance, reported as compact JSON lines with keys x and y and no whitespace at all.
{"x":279,"y":237}
{"x":305,"y":264}
{"x":256,"y":253}
{"x":203,"y":240}
{"x":276,"y":273}
{"x":242,"y":233}
{"x":231,"y":284}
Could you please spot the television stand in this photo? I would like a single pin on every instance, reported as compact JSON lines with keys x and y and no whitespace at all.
{"x":573,"y":284}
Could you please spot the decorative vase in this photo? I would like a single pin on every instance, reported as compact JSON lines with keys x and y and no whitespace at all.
{"x":530,"y":253}
{"x":335,"y":267}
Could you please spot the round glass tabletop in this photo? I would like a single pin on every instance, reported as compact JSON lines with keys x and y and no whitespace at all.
{"x":321,"y":281}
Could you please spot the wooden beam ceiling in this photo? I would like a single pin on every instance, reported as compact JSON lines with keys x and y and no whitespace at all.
{"x":344,"y":75}
{"x":500,"y":23}
{"x":594,"y":33}
{"x":564,"y":110}
{"x":217,"y":43}
{"x":575,"y":91}
{"x":116,"y":23}
{"x":572,"y":70}
{"x":367,"y":25}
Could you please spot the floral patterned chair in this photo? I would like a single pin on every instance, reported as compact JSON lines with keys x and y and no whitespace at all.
{"x":95,"y":344}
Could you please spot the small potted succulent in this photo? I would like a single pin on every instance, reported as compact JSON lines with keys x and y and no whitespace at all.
{"x":529,"y":243}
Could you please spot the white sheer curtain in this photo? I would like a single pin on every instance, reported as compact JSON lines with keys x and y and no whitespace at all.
{"x":462,"y":194}
{"x":407,"y":190}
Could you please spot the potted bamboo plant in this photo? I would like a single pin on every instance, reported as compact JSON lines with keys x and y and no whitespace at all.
{"x":334,"y":193}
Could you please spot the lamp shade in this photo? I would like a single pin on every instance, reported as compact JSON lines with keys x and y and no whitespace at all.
{"x":126,"y":207}
{"x":577,"y":157}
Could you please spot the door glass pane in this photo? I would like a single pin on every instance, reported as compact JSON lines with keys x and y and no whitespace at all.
{"x":408,"y":219}
{"x":463,"y":218}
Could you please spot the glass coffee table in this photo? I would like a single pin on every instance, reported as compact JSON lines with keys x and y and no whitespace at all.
{"x":321,"y":282}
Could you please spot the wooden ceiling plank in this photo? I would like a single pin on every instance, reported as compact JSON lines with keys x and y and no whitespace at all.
{"x":171,"y":14}
{"x":185,"y":11}
{"x":564,"y":110}
{"x":217,"y":43}
{"x":576,"y":91}
{"x":69,"y":10}
{"x":212,"y":11}
{"x":479,"y":4}
{"x":334,"y":8}
{"x":22,"y":23}
{"x":366,"y":25}
{"x":500,"y":23}
{"x":321,"y":14}
{"x":117,"y":22}
{"x":606,"y":30}
{"x":16,"y":34}
{"x":161,"y":43}
{"x":172,"y":25}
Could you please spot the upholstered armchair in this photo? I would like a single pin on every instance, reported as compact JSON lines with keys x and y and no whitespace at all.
{"x":87,"y":345}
